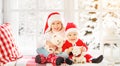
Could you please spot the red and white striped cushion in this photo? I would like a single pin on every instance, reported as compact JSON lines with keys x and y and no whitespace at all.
{"x":8,"y":48}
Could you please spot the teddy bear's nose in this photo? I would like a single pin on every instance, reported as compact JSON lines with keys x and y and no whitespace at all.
{"x":58,"y":41}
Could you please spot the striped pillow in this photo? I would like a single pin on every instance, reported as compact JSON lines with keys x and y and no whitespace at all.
{"x":8,"y":48}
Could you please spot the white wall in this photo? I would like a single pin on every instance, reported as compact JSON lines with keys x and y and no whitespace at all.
{"x":1,"y":14}
{"x":69,"y":10}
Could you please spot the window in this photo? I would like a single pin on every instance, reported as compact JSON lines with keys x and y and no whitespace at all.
{"x":29,"y":16}
{"x":95,"y":16}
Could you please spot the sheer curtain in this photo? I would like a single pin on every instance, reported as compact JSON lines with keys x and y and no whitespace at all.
{"x":1,"y":14}
{"x":27,"y":18}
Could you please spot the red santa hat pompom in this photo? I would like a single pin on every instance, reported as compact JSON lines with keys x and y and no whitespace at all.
{"x":71,"y":27}
{"x":51,"y":18}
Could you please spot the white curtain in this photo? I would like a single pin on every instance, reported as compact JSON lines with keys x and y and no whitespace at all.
{"x":1,"y":14}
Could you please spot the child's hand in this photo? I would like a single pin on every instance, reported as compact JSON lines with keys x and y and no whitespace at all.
{"x":70,"y":49}
{"x":58,"y":50}
{"x":83,"y":49}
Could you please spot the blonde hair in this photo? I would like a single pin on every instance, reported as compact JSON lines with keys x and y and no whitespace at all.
{"x":62,"y":27}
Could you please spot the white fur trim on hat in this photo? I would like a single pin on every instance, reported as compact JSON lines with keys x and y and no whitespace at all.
{"x":53,"y":18}
{"x":71,"y":30}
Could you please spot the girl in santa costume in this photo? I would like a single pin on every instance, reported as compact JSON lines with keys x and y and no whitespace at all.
{"x":54,"y":25}
{"x":72,"y":40}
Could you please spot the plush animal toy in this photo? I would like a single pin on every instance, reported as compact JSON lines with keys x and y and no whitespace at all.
{"x":50,"y":49}
{"x":58,"y":41}
{"x":78,"y":55}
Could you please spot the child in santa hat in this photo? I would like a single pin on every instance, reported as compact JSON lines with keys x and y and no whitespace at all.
{"x":54,"y":25}
{"x":72,"y":40}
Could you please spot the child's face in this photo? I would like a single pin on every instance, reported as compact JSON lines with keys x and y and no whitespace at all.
{"x":56,"y":26}
{"x":72,"y":37}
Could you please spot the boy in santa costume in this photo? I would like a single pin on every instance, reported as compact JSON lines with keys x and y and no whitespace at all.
{"x":72,"y":40}
{"x":54,"y":25}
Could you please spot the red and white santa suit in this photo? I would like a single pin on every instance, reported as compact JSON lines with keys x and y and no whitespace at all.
{"x":67,"y":45}
{"x":79,"y":42}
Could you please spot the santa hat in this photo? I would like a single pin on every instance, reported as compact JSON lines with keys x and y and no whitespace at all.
{"x":52,"y":17}
{"x":71,"y":27}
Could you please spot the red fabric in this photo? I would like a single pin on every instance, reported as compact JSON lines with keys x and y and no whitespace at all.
{"x":88,"y":57}
{"x":67,"y":45}
{"x":8,"y":49}
{"x":31,"y":62}
{"x":46,"y":25}
{"x":70,"y":25}
{"x":52,"y":58}
{"x":28,"y":61}
{"x":43,"y":59}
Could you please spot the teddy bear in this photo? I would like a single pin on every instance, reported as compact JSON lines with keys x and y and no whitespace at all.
{"x":78,"y":55}
{"x":52,"y":57}
{"x":58,"y":41}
